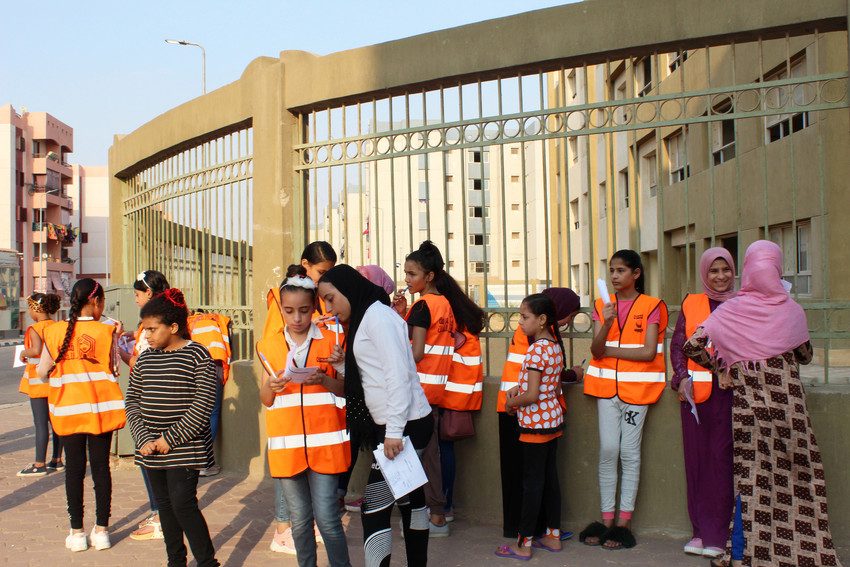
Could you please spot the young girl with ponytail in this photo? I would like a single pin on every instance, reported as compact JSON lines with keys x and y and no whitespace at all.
{"x":41,"y":307}
{"x":626,"y":375}
{"x":86,"y":404}
{"x":442,"y":310}
{"x":169,"y":402}
{"x":535,"y":401}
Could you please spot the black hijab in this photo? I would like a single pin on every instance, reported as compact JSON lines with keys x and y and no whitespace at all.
{"x":361,"y":294}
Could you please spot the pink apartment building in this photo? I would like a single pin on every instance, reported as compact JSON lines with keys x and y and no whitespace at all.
{"x":47,"y":206}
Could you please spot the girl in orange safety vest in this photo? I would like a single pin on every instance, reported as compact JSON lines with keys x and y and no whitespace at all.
{"x":41,"y":307}
{"x":148,"y":284}
{"x":305,"y":421}
{"x":627,"y":375}
{"x":86,"y":404}
{"x":540,"y":419}
{"x":707,"y":433}
{"x":567,"y":305}
{"x":439,"y":322}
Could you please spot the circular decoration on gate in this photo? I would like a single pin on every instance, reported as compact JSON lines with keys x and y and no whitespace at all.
{"x":646,"y":112}
{"x":400,"y":142}
{"x":576,"y":120}
{"x":804,"y":94}
{"x":322,"y":154}
{"x":491,"y":131}
{"x":582,"y":323}
{"x":695,"y":106}
{"x":670,"y":109}
{"x":721,"y":100}
{"x":496,"y":322}
{"x":417,"y":140}
{"x":453,"y":136}
{"x":833,"y":90}
{"x":554,"y":123}
{"x":747,"y":101}
{"x":775,"y":98}
{"x":435,"y":138}
{"x":383,"y":145}
{"x":532,"y":126}
{"x":622,"y":115}
{"x":598,"y":117}
{"x":351,"y":150}
{"x":471,"y":133}
{"x":367,"y":148}
{"x":336,"y":152}
{"x":511,"y":128}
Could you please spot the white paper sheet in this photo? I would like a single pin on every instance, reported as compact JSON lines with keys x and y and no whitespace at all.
{"x":602,"y":287}
{"x":403,"y":474}
{"x":16,"y":361}
{"x":686,"y":386}
{"x":299,"y":375}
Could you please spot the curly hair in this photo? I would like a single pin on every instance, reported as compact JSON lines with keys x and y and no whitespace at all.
{"x":46,"y":302}
{"x":83,"y":292}
{"x":170,"y":308}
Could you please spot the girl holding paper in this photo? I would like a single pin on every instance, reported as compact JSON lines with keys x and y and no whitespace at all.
{"x":384,"y":404}
{"x":308,"y":444}
{"x":627,"y":375}
{"x":707,"y":443}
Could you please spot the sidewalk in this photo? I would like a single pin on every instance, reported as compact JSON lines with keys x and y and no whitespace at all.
{"x":239,"y":512}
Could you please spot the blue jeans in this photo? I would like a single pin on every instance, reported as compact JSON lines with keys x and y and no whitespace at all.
{"x":215,"y":417}
{"x":448,"y":466}
{"x":738,"y":541}
{"x":281,"y":510}
{"x":311,"y":495}
{"x":151,"y":497}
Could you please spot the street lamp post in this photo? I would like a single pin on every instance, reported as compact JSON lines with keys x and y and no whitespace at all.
{"x":203,"y":58}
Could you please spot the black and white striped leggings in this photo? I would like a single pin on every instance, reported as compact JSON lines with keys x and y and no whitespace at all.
{"x":378,"y":506}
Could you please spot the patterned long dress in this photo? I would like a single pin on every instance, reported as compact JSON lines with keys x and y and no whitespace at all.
{"x":777,"y":465}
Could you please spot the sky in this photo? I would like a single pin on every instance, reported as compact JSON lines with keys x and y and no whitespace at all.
{"x":103,"y":67}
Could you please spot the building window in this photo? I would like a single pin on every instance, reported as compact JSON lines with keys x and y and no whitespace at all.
{"x":451,"y":236}
{"x":514,"y":178}
{"x":675,"y":59}
{"x":574,"y":213}
{"x":623,"y":178}
{"x":451,"y":263}
{"x":450,"y":207}
{"x":514,"y":206}
{"x":514,"y":263}
{"x":476,"y":212}
{"x":679,"y":168}
{"x":515,"y":235}
{"x":571,"y":83}
{"x":796,"y":252}
{"x":643,"y":76}
{"x":573,"y":144}
{"x":603,"y":201}
{"x":84,"y":237}
{"x":449,"y":178}
{"x":649,"y":173}
{"x":479,"y":239}
{"x":782,"y":125}
{"x":514,"y":151}
{"x":475,"y":157}
{"x":479,"y":267}
{"x":37,"y":148}
{"x":479,"y":184}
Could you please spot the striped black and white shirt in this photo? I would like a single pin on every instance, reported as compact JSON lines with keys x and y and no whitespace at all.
{"x":172,"y":394}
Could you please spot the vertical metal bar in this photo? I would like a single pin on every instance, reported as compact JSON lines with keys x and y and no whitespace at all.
{"x":360,"y":186}
{"x":564,"y":197}
{"x":685,"y":131}
{"x":329,"y":227}
{"x":610,"y":164}
{"x":409,"y":176}
{"x":763,"y":93}
{"x":462,"y":155}
{"x":546,"y":189}
{"x":633,"y":167}
{"x":709,"y":109}
{"x":426,"y":173}
{"x":659,"y":198}
{"x":503,"y":193}
{"x":524,"y":204}
{"x":739,"y":213}
{"x":792,"y":167}
{"x":392,"y":192}
{"x":592,"y":191}
{"x":444,"y":158}
{"x":375,"y":233}
{"x":345,"y":241}
{"x":486,"y":238}
{"x":824,"y":249}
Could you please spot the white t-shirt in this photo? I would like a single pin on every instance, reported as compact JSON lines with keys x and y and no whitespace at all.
{"x":384,"y":357}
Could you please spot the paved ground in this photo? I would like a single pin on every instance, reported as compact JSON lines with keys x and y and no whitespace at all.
{"x":239,"y":512}
{"x":9,"y":377}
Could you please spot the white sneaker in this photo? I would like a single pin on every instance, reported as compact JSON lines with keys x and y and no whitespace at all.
{"x":76,"y":541}
{"x":100,"y":540}
{"x":282,"y":542}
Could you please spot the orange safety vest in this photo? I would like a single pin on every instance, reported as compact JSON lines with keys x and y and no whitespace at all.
{"x":31,"y":384}
{"x":696,"y":309}
{"x":305,"y":424}
{"x":465,"y":384}
{"x":434,"y":367}
{"x":510,"y":372}
{"x":84,"y":395}
{"x":639,"y":383}
{"x":213,"y":331}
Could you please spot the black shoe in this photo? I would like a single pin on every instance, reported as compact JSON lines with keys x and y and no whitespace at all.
{"x":33,"y":471}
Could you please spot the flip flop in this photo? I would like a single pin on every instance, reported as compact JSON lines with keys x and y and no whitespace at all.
{"x":594,"y":529}
{"x":537,"y":545}
{"x":621,"y":535}
{"x":506,"y":552}
{"x":566,"y":535}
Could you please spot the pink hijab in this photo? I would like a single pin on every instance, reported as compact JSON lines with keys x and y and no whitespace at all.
{"x":377,"y":276}
{"x":706,"y":260}
{"x":762,"y":321}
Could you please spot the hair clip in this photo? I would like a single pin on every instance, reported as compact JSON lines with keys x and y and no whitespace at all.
{"x":172,"y":294}
{"x":141,"y":277}
{"x":300,"y":281}
{"x":94,"y":290}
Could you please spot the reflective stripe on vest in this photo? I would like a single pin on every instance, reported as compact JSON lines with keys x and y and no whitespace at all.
{"x":696,"y":309}
{"x":305,"y":423}
{"x":84,"y":396}
{"x":212,"y":331}
{"x":634,"y":382}
{"x":465,"y":386}
{"x":434,"y":367}
{"x":510,"y":372}
{"x":31,"y":384}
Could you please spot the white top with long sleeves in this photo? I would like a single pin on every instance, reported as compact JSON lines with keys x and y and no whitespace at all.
{"x":384,"y":357}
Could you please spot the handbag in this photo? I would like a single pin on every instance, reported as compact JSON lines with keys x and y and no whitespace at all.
{"x":456,"y":425}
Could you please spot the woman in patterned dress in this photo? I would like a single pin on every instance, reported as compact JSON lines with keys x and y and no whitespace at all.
{"x":759,"y":338}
